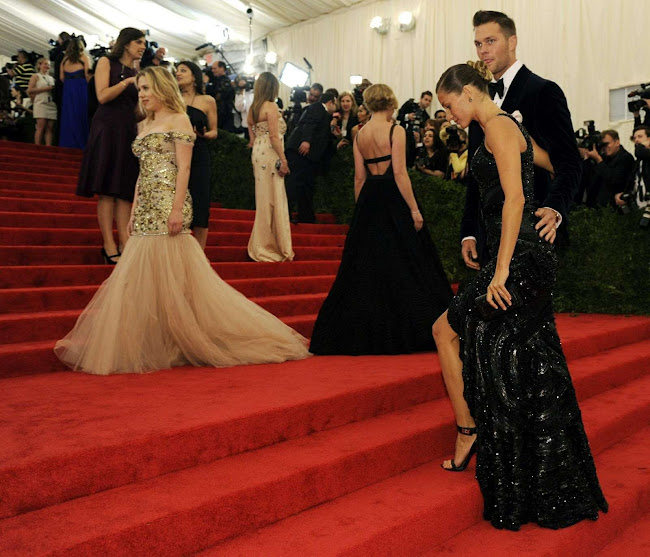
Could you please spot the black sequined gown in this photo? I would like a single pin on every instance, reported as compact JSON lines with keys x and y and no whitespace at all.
{"x":534,"y":463}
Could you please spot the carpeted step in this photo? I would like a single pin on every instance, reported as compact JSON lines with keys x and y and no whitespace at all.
{"x":57,"y":220}
{"x":192,"y":509}
{"x":410,"y":513}
{"x":42,"y":180}
{"x":39,"y":150}
{"x":24,"y":300}
{"x":24,"y":218}
{"x":65,"y":169}
{"x":36,"y":162}
{"x":20,"y":327}
{"x":92,"y":237}
{"x":87,"y":255}
{"x":635,"y":539}
{"x":38,"y":188}
{"x":344,"y":389}
{"x":32,"y":276}
{"x":626,"y":485}
{"x":221,"y":412}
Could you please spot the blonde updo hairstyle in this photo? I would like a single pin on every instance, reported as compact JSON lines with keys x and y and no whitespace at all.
{"x":164,"y":88}
{"x":379,"y":97}
{"x":472,"y":73}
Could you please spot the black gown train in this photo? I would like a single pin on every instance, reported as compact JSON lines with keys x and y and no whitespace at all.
{"x":391,"y":286}
{"x":534,"y":463}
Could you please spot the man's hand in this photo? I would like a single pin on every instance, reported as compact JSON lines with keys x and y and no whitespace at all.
{"x":619,"y":201}
{"x":411,"y":116}
{"x":546,"y":225}
{"x":304,"y":148}
{"x":594,"y":154}
{"x":470,"y":255}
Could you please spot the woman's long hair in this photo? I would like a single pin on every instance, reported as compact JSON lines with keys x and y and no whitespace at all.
{"x":126,"y":35}
{"x":353,"y":108}
{"x":74,"y":50}
{"x":199,"y":87}
{"x":164,"y":87}
{"x":266,"y":89}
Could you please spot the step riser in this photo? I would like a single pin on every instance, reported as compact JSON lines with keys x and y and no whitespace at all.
{"x":66,"y":169}
{"x":33,"y":361}
{"x":53,"y":220}
{"x":84,"y":237}
{"x":85,"y":255}
{"x":56,"y":326}
{"x":70,"y":275}
{"x":77,"y":298}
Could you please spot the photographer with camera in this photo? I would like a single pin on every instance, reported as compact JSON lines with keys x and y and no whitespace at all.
{"x":153,"y":57}
{"x":224,"y":94}
{"x":642,"y":103}
{"x":413,"y":116}
{"x":637,"y":192}
{"x":432,"y":158}
{"x":614,"y":167}
{"x":244,"y":100}
{"x":23,"y":70}
{"x":315,"y":93}
{"x":456,"y":141}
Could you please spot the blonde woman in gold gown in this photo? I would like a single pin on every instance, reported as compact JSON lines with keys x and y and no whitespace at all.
{"x":271,"y":236}
{"x":163,"y":305}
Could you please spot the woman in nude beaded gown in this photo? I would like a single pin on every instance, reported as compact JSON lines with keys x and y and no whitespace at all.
{"x":271,"y":236}
{"x":164,"y":306}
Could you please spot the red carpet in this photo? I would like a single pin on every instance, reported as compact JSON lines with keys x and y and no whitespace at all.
{"x":327,"y":456}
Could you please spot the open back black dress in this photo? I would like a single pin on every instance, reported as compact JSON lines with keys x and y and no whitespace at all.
{"x":390,"y":287}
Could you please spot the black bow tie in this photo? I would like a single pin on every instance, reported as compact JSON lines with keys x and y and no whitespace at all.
{"x":496,"y":88}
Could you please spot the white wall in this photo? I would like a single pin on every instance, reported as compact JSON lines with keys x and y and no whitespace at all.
{"x":586,"y":46}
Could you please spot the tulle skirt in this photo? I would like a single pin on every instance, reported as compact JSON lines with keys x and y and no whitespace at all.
{"x":164,"y":306}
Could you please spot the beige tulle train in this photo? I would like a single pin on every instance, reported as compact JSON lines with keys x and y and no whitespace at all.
{"x":164,"y":306}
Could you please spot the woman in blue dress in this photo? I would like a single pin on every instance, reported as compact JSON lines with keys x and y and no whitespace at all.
{"x":73,"y":73}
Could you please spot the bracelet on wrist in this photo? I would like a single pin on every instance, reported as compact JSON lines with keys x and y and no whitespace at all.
{"x":415,"y":212}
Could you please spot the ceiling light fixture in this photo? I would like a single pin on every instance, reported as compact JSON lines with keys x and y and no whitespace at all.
{"x":380,"y":24}
{"x":406,"y":21}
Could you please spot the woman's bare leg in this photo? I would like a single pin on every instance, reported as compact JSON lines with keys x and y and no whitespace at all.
{"x":122,"y":216}
{"x":105,"y":211}
{"x":448,"y":345}
{"x":201,"y":235}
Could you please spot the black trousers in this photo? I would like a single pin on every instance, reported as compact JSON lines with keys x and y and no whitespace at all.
{"x":300,"y":185}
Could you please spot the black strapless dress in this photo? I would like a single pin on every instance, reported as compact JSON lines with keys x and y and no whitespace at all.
{"x":199,"y":184}
{"x":391,"y":286}
{"x":534,"y":463}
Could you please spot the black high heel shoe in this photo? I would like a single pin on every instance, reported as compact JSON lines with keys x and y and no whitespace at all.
{"x":108,"y":259}
{"x":461,"y":468}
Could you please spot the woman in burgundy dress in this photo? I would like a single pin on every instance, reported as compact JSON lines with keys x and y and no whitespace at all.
{"x":109,"y":168}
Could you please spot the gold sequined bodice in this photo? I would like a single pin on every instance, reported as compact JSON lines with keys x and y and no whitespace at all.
{"x":157,"y":183}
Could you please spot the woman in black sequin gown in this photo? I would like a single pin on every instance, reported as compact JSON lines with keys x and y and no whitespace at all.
{"x":534,"y":463}
{"x":391,"y":286}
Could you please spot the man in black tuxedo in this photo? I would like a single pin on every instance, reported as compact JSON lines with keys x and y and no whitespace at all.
{"x":304,"y":149}
{"x":543,"y":107}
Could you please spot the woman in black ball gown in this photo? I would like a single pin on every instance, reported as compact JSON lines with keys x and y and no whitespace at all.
{"x":391,"y":286}
{"x":519,"y":413}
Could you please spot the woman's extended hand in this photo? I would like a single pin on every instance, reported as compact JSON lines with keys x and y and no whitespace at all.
{"x":175,"y":222}
{"x":418,"y":221}
{"x":497,"y":293}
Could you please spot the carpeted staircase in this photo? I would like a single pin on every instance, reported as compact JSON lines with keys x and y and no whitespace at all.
{"x":326,"y":456}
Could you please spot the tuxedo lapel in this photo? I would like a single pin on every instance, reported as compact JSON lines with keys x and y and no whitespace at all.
{"x":516,"y":91}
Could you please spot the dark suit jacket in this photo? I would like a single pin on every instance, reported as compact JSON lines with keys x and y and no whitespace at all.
{"x":314,"y":127}
{"x":547,"y":118}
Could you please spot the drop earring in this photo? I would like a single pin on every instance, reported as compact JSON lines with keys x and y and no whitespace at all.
{"x":470,"y":99}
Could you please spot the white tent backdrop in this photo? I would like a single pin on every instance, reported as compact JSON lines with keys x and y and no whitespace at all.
{"x":587,"y":46}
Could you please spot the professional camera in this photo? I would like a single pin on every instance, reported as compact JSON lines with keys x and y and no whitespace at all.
{"x":418,"y":121}
{"x":32,"y":57}
{"x":643,"y":93}
{"x":299,"y":94}
{"x":590,"y":137}
{"x":98,"y":52}
{"x":249,"y":82}
{"x":453,"y":139}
